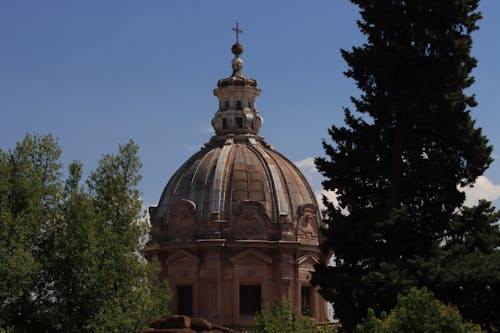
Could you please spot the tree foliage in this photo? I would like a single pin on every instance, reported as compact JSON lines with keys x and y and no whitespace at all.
{"x":72,"y":252}
{"x":280,"y":317}
{"x":397,"y":163}
{"x":467,"y":270}
{"x":417,"y":312}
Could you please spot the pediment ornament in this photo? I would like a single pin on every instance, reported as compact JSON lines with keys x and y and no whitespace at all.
{"x":307,"y":221}
{"x":250,"y":221}
{"x":182,"y":220}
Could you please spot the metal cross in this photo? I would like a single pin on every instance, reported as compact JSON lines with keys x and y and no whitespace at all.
{"x":238,"y":31}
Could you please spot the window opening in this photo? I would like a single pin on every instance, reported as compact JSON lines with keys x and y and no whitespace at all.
{"x":239,"y":122}
{"x":305,"y":300}
{"x":224,"y":123}
{"x":238,"y":105}
{"x":250,"y":299}
{"x":185,"y":300}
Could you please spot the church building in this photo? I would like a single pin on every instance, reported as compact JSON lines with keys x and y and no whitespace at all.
{"x":236,"y":226}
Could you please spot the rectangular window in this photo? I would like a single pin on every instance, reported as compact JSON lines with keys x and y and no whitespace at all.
{"x":239,"y":122}
{"x":224,"y":123}
{"x":305,"y":300}
{"x":250,"y":299}
{"x":185,"y":300}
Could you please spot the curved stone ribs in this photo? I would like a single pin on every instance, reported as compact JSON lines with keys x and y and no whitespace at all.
{"x":216,"y":195}
{"x":196,"y":191}
{"x":276,"y":180}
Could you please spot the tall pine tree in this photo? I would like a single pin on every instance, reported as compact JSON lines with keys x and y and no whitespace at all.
{"x":396,"y":164}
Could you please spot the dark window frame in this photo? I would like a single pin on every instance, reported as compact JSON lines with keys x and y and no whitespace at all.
{"x":185,"y":299}
{"x":250,"y":299}
{"x":239,"y":122}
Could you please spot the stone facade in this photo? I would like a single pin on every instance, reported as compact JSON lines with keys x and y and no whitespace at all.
{"x":237,"y":226}
{"x":185,"y":324}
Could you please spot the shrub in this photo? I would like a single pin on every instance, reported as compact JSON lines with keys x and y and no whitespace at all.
{"x":417,"y":312}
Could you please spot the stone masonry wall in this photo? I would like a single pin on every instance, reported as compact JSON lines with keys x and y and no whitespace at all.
{"x":185,"y":324}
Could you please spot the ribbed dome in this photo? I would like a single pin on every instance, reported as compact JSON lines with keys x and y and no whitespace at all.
{"x":217,"y":182}
{"x":237,"y":186}
{"x":237,"y":225}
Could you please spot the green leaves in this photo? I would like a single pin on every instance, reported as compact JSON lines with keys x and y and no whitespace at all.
{"x":417,"y":312}
{"x":29,"y":193}
{"x":467,"y":271}
{"x":280,"y":317}
{"x":72,"y":255}
{"x":399,"y":159}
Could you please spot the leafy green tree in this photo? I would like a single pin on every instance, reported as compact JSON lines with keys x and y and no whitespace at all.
{"x":467,"y":271}
{"x":280,"y":317}
{"x":73,"y":251}
{"x":30,"y":189}
{"x":397,"y":163}
{"x":6,"y":330}
{"x":417,"y":312}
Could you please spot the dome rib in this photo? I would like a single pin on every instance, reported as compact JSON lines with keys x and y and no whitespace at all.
{"x":167,"y":196}
{"x":197,"y":194}
{"x":308,"y":188}
{"x":216,"y":204}
{"x":274,"y":181}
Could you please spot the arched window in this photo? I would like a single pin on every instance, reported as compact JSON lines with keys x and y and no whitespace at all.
{"x":238,"y":105}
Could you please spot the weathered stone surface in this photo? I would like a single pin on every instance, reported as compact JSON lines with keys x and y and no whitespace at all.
{"x":200,"y":324}
{"x":196,"y":325}
{"x":176,"y":321}
{"x":237,"y":216}
{"x":217,"y":329}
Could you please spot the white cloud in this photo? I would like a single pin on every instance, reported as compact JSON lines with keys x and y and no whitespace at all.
{"x":307,"y":163}
{"x":482,"y":189}
{"x":330,"y":195}
{"x":308,"y":168}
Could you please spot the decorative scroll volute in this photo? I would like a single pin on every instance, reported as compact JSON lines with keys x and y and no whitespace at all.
{"x":251,"y":221}
{"x":182,"y":220}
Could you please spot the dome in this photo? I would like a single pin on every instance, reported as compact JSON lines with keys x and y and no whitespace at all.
{"x":237,"y":186}
{"x":233,"y":177}
{"x":236,"y":226}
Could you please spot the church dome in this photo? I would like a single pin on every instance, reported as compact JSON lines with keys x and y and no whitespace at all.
{"x":237,"y":186}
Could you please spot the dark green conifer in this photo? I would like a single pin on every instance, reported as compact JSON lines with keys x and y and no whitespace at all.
{"x":397,"y":162}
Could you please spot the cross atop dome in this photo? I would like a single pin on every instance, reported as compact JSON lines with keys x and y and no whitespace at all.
{"x":237,"y":30}
{"x":237,"y":114}
{"x":237,"y":203}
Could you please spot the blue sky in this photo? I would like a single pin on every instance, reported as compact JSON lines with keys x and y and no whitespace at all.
{"x":97,"y":73}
